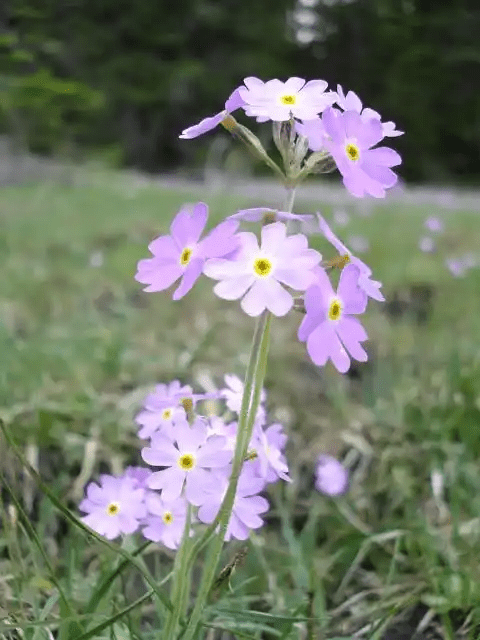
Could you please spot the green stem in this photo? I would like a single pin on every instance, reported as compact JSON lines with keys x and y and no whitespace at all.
{"x":253,"y":381}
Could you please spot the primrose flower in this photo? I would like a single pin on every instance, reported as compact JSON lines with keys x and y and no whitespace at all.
{"x":139,"y":474}
{"x":351,"y":102}
{"x":165,"y":521}
{"x":279,"y":101}
{"x":233,"y":103}
{"x":331,"y":477}
{"x":265,"y":453}
{"x":114,"y":506}
{"x":188,"y":460}
{"x":426,"y":244}
{"x":182,"y":254}
{"x":233,"y":394}
{"x":328,"y":327}
{"x":256,"y":273}
{"x":370,"y":287}
{"x":433,"y":224}
{"x":364,"y":170}
{"x":247,"y":506}
{"x":168,"y":403}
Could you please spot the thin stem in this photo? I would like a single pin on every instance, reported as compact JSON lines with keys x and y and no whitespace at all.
{"x":247,"y":418}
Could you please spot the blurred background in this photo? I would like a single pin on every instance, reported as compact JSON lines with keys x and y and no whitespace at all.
{"x":121,"y":79}
{"x":93,"y":96}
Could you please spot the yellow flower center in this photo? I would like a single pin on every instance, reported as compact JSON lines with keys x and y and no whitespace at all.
{"x":113,"y":508}
{"x":167,"y":517}
{"x":269,"y":217}
{"x":167,"y":414}
{"x":186,"y":462}
{"x":262,"y":267}
{"x":335,"y":310}
{"x":187,"y":404}
{"x":353,"y":152}
{"x":185,"y":256}
{"x":288,"y":99}
{"x":251,"y":455}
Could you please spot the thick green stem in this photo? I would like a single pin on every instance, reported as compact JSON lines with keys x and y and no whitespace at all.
{"x":250,"y":401}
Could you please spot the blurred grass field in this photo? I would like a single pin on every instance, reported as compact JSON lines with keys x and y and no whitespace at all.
{"x":81,"y":345}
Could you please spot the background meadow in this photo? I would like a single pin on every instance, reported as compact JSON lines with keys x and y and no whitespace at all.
{"x":93,"y":97}
{"x":81,"y":345}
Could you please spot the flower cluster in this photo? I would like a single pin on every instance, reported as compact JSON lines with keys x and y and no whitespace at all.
{"x":331,"y":121}
{"x":191,"y":463}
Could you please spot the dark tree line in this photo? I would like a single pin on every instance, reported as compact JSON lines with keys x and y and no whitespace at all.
{"x":131,"y":74}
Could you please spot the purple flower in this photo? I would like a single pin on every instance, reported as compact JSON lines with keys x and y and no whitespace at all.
{"x":182,"y":254}
{"x":256,"y":273}
{"x":328,"y":327}
{"x":364,"y":170}
{"x":265,"y":451}
{"x":266,"y":214}
{"x":247,"y":506}
{"x":165,"y":521}
{"x":279,"y":101}
{"x":218,"y":427}
{"x":114,"y":506}
{"x":207,"y":124}
{"x":433,"y":224}
{"x":165,"y":406}
{"x":188,"y":460}
{"x":314,"y":131}
{"x":351,"y":102}
{"x":331,"y":477}
{"x":139,"y":474}
{"x":233,"y":394}
{"x":426,"y":244}
{"x":370,"y":287}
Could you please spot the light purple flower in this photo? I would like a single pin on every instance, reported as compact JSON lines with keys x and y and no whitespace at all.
{"x":188,"y":460}
{"x":328,"y":327}
{"x":433,"y":224}
{"x":256,"y":273}
{"x":233,"y":103}
{"x":233,"y":394}
{"x":370,"y":287}
{"x":114,"y":506}
{"x":165,"y":521}
{"x":139,"y":474}
{"x":364,"y":170}
{"x":164,"y":406}
{"x":247,"y":506}
{"x":266,"y":214}
{"x":314,"y":131}
{"x":218,"y":427}
{"x":331,"y":477}
{"x":426,"y":244}
{"x":279,"y":101}
{"x":265,"y":451}
{"x":182,"y":254}
{"x":351,"y":102}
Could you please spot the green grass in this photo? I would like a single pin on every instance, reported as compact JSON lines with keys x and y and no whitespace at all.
{"x":81,"y":344}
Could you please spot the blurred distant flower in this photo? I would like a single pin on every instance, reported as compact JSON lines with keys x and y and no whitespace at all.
{"x":279,"y":101}
{"x":433,"y":224}
{"x":359,"y":244}
{"x":96,"y":259}
{"x":364,"y":170}
{"x":331,"y":477}
{"x":426,"y":244}
{"x":207,"y":124}
{"x":114,"y":506}
{"x":165,"y":521}
{"x":456,"y":266}
{"x":328,"y":327}
{"x":256,"y":272}
{"x":139,"y":474}
{"x":341,"y":218}
{"x":182,"y":254}
{"x":351,"y":102}
{"x":370,"y":287}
